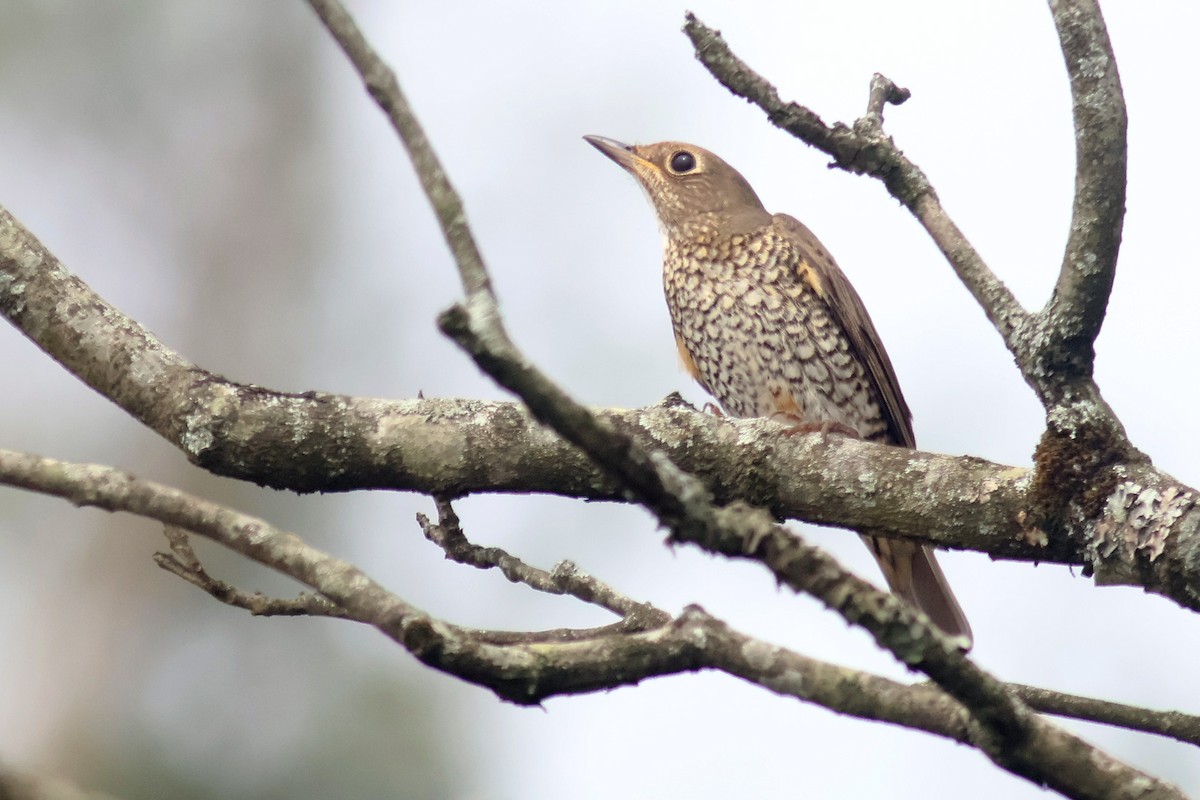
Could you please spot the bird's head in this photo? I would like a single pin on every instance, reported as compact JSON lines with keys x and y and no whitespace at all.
{"x":688,"y":186}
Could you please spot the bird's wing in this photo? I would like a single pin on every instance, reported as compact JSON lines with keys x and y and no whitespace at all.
{"x":824,"y":276}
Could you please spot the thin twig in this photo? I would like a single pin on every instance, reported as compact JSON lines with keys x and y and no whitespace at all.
{"x":381,"y":82}
{"x":116,"y":490}
{"x":1172,"y":724}
{"x":183,"y":562}
{"x":565,"y":578}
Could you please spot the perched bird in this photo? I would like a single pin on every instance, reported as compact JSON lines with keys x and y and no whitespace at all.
{"x":770,"y":326}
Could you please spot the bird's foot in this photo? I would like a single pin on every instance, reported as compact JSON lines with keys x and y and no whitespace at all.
{"x":714,"y":409}
{"x":798,"y":426}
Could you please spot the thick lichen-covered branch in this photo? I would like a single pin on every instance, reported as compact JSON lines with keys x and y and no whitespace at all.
{"x":317,"y":441}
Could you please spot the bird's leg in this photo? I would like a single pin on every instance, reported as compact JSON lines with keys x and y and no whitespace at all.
{"x":714,"y":409}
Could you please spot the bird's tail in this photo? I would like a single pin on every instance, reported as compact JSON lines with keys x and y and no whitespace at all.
{"x":913,"y":573}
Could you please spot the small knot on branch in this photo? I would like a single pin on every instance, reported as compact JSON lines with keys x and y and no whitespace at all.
{"x":891,"y":93}
{"x":883,"y":92}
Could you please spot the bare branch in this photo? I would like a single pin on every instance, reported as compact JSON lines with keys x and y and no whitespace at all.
{"x":523,"y":668}
{"x":318,"y":441}
{"x":383,"y":87}
{"x":566,"y":578}
{"x":683,"y":505}
{"x":183,"y":562}
{"x":50,"y":306}
{"x":1011,"y":735}
{"x":1173,"y":724}
{"x":1072,"y":319}
{"x":115,"y":490}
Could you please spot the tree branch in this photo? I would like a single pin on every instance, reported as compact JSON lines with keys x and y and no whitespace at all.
{"x":318,"y":441}
{"x":566,"y":578}
{"x":523,"y":668}
{"x":183,"y":563}
{"x":1072,"y":319}
{"x":1173,"y":724}
{"x":383,"y":87}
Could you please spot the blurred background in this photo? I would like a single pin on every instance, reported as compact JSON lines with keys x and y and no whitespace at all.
{"x":216,"y":171}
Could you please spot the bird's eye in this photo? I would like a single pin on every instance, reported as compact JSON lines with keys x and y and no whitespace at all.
{"x":682,"y":162}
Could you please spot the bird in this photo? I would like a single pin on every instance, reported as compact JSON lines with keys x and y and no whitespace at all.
{"x":769,"y":325}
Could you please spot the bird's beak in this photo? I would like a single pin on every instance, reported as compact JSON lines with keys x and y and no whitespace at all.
{"x":619,"y":152}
